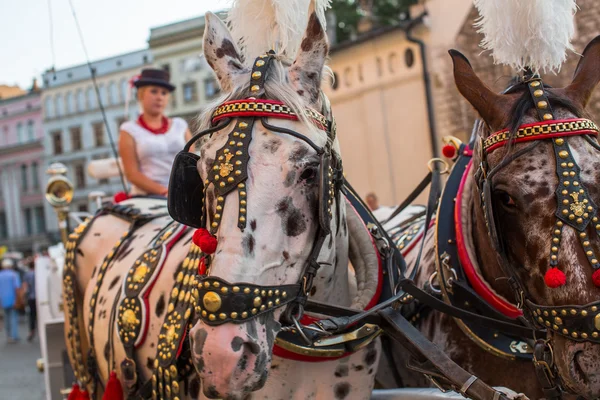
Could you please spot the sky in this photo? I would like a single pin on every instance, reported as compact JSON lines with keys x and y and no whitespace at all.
{"x":109,"y":27}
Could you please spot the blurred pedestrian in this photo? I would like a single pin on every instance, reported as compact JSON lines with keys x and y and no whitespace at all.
{"x":31,"y":299}
{"x":372,"y":201}
{"x":10,"y":283}
{"x":149,"y":144}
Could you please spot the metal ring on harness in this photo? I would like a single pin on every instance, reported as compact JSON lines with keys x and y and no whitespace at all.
{"x":430,"y":165}
{"x":300,"y":331}
{"x":449,"y":282}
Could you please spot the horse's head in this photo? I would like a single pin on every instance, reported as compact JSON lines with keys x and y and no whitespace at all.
{"x":268,"y":177}
{"x":539,"y":194}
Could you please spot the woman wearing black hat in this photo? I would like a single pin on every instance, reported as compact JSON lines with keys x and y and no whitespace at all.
{"x":149,"y":144}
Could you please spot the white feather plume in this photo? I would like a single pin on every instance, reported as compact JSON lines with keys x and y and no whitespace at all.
{"x":262,"y":25}
{"x":527,"y":33}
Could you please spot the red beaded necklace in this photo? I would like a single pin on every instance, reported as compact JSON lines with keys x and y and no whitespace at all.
{"x":159,"y":131}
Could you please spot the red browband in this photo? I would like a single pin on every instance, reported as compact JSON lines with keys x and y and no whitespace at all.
{"x":541,"y":130}
{"x":264,"y":108}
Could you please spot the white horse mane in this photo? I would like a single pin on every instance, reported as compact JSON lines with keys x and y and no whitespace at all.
{"x":527,"y":33}
{"x":261,"y":25}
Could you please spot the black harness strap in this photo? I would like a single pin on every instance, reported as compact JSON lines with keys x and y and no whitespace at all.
{"x":446,"y":372}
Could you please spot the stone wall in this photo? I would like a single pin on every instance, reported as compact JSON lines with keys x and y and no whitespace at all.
{"x":454,"y":116}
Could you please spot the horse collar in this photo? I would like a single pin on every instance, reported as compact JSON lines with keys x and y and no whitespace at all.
{"x":460,"y":283}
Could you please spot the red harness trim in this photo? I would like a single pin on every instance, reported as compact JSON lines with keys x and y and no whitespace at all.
{"x":542,"y":130}
{"x":256,"y":108}
{"x":474,"y":278}
{"x":146,"y":295}
{"x":307,"y":319}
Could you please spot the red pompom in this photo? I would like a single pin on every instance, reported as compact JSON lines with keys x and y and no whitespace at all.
{"x":114,"y":390}
{"x":120,"y":196}
{"x":75,"y":392}
{"x":83,"y":395}
{"x":203,"y":239}
{"x":449,"y":151}
{"x":554,"y":278}
{"x":596,"y":277}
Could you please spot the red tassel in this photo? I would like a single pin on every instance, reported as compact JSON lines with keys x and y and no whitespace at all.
{"x":555,"y":278}
{"x":75,"y":392}
{"x":120,"y":196}
{"x":114,"y":390}
{"x":203,"y":239}
{"x":596,"y":277}
{"x":449,"y":151}
{"x":83,"y":395}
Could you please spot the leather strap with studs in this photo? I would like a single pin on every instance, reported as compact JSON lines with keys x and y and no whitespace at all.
{"x":220,"y":302}
{"x":540,"y":99}
{"x":579,"y":323}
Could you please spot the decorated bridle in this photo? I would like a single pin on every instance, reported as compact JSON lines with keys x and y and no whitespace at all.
{"x":575,"y":210}
{"x":219,"y":301}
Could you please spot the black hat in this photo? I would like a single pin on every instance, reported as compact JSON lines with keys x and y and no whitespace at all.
{"x":154,"y":77}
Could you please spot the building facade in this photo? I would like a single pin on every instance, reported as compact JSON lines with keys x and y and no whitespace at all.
{"x":177,"y":48}
{"x":22,"y":216}
{"x":75,"y":132}
{"x":380,"y":103}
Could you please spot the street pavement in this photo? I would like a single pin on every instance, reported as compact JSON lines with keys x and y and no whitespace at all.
{"x":19,"y":377}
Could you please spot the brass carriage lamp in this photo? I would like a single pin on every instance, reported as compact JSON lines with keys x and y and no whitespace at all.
{"x":59,"y":193}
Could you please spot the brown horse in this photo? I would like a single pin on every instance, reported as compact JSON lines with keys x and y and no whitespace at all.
{"x":524,"y":213}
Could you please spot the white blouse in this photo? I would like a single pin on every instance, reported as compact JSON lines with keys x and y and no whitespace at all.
{"x":156,"y":152}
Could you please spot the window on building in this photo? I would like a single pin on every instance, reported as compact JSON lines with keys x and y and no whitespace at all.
{"x":6,"y":134}
{"x":30,"y":130}
{"x":83,"y":208}
{"x":211,"y":88}
{"x":79,"y":176}
{"x":24,"y":186}
{"x":28,"y":222}
{"x":190,"y":92}
{"x":3,"y":226}
{"x":75,"y":138}
{"x":112,"y":93}
{"x":35,"y":177}
{"x":69,"y":101}
{"x":48,"y":109}
{"x":166,"y":67}
{"x":124,"y":88}
{"x":58,"y":105}
{"x":20,"y":133}
{"x":57,"y":144}
{"x":98,"y":129}
{"x":91,"y":98}
{"x":40,"y":221}
{"x":80,"y":101}
{"x":102,"y":91}
{"x":103,"y":181}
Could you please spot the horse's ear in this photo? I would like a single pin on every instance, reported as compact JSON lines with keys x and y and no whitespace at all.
{"x":587,"y":74}
{"x":221,"y":52}
{"x":493,"y":108}
{"x":307,"y":69}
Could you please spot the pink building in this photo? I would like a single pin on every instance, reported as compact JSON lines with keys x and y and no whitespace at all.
{"x":22,"y":222}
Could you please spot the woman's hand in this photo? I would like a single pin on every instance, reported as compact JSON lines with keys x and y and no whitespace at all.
{"x":165,"y":192}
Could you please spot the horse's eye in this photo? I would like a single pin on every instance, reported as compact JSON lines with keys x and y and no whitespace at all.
{"x":309,"y":174}
{"x":505,"y":199}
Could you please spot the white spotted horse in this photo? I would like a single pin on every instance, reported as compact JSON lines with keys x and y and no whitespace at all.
{"x":150,"y":302}
{"x":516,"y":239}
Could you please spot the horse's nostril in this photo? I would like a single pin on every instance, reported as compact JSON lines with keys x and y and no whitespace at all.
{"x":252,"y":347}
